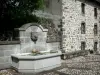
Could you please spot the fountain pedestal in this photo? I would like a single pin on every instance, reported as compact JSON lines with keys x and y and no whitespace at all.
{"x":33,"y":64}
{"x":34,"y":37}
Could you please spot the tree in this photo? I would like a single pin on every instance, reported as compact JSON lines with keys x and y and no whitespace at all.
{"x":14,"y":13}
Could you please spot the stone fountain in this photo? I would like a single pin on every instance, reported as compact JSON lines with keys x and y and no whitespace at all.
{"x":36,"y":57}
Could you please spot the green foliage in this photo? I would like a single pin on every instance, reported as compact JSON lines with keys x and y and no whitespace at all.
{"x":18,"y":12}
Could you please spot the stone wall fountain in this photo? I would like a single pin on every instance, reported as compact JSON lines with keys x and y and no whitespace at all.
{"x":35,"y":56}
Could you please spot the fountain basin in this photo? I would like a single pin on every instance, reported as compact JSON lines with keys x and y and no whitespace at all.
{"x":28,"y":63}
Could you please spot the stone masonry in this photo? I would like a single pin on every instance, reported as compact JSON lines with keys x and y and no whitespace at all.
{"x":72,"y":18}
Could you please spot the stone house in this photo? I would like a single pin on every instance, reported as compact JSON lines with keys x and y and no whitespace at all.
{"x":80,"y":23}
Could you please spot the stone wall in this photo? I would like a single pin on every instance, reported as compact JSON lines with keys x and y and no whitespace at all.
{"x":72,"y":19}
{"x":27,"y":32}
{"x":27,"y":44}
{"x":6,"y":49}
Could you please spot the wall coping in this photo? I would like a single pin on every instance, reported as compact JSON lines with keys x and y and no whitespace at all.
{"x":25,"y":26}
{"x":9,"y":42}
{"x":21,"y":57}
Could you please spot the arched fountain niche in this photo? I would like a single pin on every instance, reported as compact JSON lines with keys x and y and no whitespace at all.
{"x":34,"y":36}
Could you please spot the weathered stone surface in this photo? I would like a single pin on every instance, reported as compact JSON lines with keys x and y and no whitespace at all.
{"x":1,"y":53}
{"x":5,"y":60}
{"x":7,"y":47}
{"x":8,"y":52}
{"x":73,"y":17}
{"x":2,"y":60}
{"x":4,"y":65}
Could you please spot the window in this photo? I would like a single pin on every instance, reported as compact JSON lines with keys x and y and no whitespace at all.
{"x":95,"y":12}
{"x":83,"y":45}
{"x":83,"y":28}
{"x":95,"y":29}
{"x":83,"y":8}
{"x":95,"y":46}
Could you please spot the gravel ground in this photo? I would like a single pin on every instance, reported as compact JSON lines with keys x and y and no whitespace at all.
{"x":8,"y":72}
{"x":87,"y":65}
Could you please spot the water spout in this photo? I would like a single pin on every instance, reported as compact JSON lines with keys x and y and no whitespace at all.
{"x":34,"y":37}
